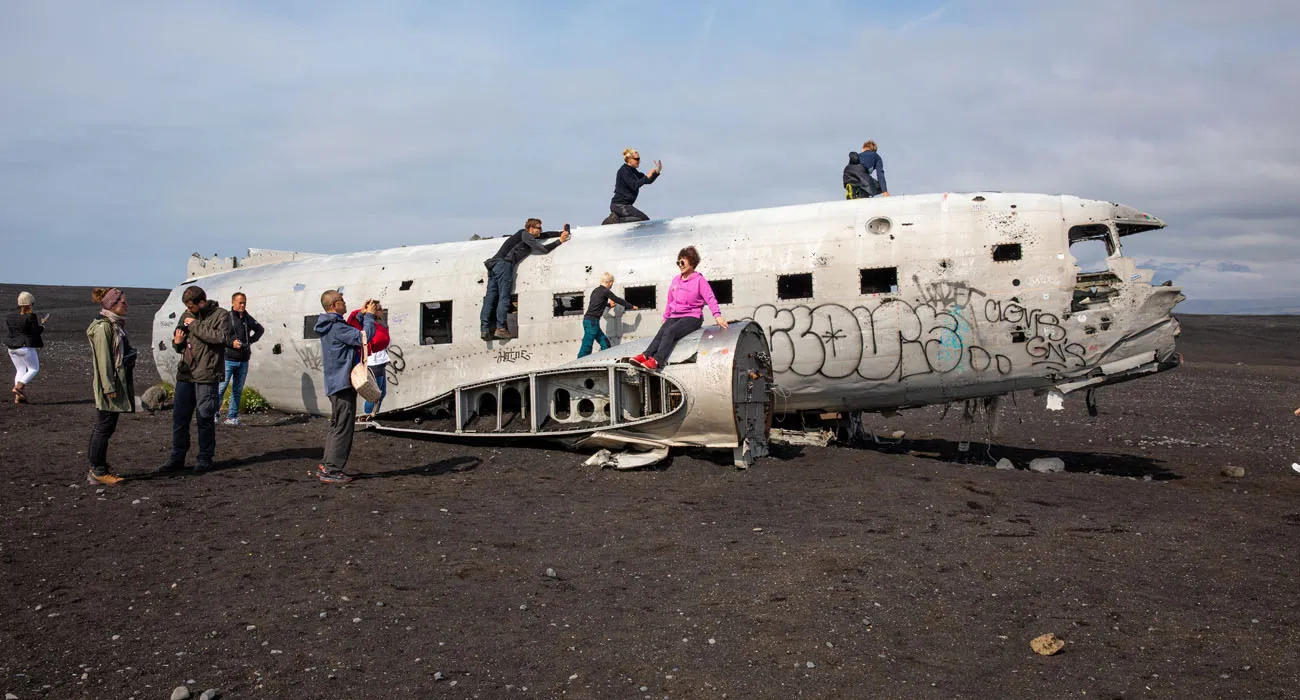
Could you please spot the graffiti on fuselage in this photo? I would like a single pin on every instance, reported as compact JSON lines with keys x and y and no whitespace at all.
{"x":894,"y":339}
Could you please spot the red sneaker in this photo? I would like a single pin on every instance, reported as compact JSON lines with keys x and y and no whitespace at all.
{"x":638,"y":360}
{"x":650,"y":363}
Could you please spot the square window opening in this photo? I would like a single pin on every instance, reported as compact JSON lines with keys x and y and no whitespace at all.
{"x":721,"y":290}
{"x":643,"y":296}
{"x":798,"y":286}
{"x":1006,"y":252}
{"x":406,"y":284}
{"x":878,"y":280}
{"x":567,"y":304}
{"x":435,"y":322}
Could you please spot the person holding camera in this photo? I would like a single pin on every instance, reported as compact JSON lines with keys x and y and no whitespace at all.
{"x":340,"y":348}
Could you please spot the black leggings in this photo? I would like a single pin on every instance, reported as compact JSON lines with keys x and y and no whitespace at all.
{"x":105,"y":426}
{"x":673,"y":330}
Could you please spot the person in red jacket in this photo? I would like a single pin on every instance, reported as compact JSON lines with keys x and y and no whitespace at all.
{"x":378,"y":356}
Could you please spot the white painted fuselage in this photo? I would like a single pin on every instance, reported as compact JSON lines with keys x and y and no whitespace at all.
{"x":934,"y":318}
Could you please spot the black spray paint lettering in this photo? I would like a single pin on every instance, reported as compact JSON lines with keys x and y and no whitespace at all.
{"x":513,"y":355}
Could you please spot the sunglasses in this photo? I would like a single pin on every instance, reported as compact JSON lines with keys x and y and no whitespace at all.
{"x":682,"y":263}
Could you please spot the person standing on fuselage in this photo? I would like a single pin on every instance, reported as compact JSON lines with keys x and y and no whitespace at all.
{"x":244,"y":331}
{"x":627,"y":185}
{"x":200,"y":337}
{"x":501,"y":275}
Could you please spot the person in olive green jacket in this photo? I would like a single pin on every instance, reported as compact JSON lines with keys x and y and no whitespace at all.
{"x":114,"y":379}
{"x":200,"y":337}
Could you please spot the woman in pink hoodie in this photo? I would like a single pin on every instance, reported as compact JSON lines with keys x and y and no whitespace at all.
{"x":683,"y":311}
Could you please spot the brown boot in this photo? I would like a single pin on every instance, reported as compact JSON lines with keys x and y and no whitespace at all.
{"x":109,"y":479}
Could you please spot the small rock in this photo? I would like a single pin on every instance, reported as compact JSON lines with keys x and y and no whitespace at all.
{"x":379,"y":603}
{"x":181,"y":693}
{"x":210,"y":694}
{"x":898,"y":434}
{"x":1234,"y":472}
{"x":1005,"y":464}
{"x":155,"y":398}
{"x":1046,"y":644}
{"x":10,"y":696}
{"x":323,"y":616}
{"x":550,"y":573}
{"x":1047,"y":465}
{"x":437,"y":675}
{"x":250,"y":628}
{"x":811,"y":665}
{"x":356,"y":619}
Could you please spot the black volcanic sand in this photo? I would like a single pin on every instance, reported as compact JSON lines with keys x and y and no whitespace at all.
{"x":891,"y":572}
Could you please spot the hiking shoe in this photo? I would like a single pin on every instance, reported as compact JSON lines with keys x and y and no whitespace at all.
{"x":637,"y":360}
{"x":201,"y":467}
{"x":106,"y":479}
{"x":650,"y":363}
{"x":169,"y":466}
{"x":503,"y":334}
{"x":485,"y":335}
{"x":333,"y":477}
{"x":233,"y":421}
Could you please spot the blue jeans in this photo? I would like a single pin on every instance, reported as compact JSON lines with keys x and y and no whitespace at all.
{"x":381,"y":378}
{"x":236,"y":373}
{"x":591,"y":333}
{"x":500,"y":284}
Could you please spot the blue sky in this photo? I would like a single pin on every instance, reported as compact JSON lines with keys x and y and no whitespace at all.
{"x":166,"y":128}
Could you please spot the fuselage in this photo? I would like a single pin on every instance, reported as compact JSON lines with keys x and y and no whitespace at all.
{"x":867,"y":304}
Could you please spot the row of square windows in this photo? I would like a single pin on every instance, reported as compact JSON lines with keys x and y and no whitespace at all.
{"x":435,"y":316}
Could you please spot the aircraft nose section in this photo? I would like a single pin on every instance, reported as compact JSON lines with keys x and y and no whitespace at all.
{"x":1129,"y":220}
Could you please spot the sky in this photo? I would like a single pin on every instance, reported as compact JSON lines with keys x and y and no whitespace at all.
{"x":134,"y":134}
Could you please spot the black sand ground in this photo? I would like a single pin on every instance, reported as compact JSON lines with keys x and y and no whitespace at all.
{"x":822,"y":573}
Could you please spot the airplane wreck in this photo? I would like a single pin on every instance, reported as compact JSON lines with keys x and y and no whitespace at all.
{"x":867,"y":305}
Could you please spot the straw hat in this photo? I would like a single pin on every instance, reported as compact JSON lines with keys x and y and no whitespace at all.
{"x":26,"y":299}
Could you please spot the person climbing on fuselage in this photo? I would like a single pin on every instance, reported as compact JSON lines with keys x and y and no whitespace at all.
{"x":600,"y":299}
{"x":874,"y":164}
{"x":858,"y":184}
{"x":501,"y":274}
{"x":627,"y":184}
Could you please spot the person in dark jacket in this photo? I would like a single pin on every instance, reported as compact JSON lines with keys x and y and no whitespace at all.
{"x":858,"y":183}
{"x":25,"y":330}
{"x":600,"y":299}
{"x":340,"y":345}
{"x":244,"y":331}
{"x":627,"y":185}
{"x":501,"y":274}
{"x":200,"y":337}
{"x":874,"y":165}
{"x":113,"y":381}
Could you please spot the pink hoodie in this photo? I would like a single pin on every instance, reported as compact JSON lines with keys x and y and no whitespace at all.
{"x":686,"y":298}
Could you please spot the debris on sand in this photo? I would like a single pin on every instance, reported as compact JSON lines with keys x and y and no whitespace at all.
{"x":210,"y":694}
{"x":1295,"y":467}
{"x":1046,"y":644}
{"x":1047,"y":465}
{"x":181,"y":693}
{"x":1005,"y":464}
{"x":814,"y":438}
{"x":1233,"y":472}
